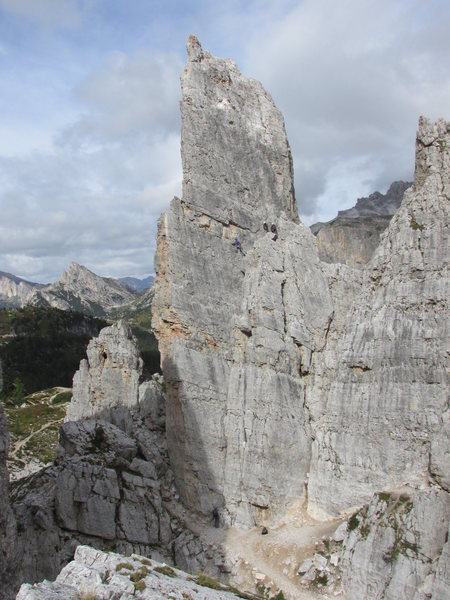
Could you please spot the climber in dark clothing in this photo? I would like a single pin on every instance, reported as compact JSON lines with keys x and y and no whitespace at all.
{"x":274,"y":232}
{"x":237,"y":245}
{"x":215,"y":513}
{"x":265,"y":227}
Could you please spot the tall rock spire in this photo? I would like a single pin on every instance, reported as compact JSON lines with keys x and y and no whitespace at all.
{"x":217,"y":309}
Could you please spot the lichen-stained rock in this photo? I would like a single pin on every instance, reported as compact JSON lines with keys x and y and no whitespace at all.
{"x":397,"y":547}
{"x":234,"y":325}
{"x":110,"y":576}
{"x":386,"y":415}
{"x":8,"y":553}
{"x":109,"y":377}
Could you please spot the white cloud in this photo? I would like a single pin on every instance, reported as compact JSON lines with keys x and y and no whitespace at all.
{"x":64,"y":13}
{"x":95,"y":197}
{"x":351,"y":79}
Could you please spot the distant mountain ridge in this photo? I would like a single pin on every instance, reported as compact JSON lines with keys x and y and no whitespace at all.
{"x":352,"y":237}
{"x":138,"y":285}
{"x":77,"y":289}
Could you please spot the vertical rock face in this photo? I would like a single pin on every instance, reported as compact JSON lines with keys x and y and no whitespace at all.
{"x":8,"y":566}
{"x":109,"y":377}
{"x":236,"y":328}
{"x":386,"y":413}
{"x":278,"y":365}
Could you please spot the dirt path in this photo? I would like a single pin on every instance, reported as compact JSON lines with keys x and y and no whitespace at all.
{"x":273,"y":559}
{"x":18,"y":445}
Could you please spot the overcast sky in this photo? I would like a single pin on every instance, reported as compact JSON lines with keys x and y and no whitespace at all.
{"x":89,"y":111}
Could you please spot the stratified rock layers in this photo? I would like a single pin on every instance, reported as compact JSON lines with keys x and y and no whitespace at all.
{"x":231,"y":351}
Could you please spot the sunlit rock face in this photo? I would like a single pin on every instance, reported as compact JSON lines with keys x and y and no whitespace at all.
{"x":110,"y":376}
{"x":385,"y":417}
{"x":236,"y":326}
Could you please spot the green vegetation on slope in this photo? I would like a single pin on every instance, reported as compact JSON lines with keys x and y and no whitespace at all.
{"x":34,"y":427}
{"x":42,"y":348}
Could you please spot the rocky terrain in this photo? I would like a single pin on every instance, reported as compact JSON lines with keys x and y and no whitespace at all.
{"x":15,"y":291}
{"x":306,"y":398}
{"x":353,"y":236}
{"x":289,"y":379}
{"x":78,"y":289}
{"x":110,"y":576}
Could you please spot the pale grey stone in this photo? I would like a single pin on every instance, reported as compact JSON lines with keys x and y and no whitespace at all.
{"x":236,"y":427}
{"x":110,"y":377}
{"x":399,"y":547}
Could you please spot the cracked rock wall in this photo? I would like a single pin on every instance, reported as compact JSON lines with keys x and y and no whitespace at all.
{"x":385,"y":418}
{"x":279,"y":366}
{"x":235,"y":329}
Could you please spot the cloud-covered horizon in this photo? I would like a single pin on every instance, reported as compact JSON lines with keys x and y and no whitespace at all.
{"x":90,"y":126}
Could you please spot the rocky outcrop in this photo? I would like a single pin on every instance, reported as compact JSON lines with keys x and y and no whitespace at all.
{"x":109,"y":576}
{"x":397,"y":547}
{"x":236,"y":327}
{"x":16,"y":292}
{"x":111,"y":485}
{"x":386,"y":411}
{"x":8,"y":551}
{"x":110,"y":376}
{"x":353,"y":236}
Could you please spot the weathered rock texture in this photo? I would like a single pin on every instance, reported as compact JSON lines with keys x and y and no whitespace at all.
{"x":397,"y":547}
{"x":353,"y":236}
{"x":289,"y":378}
{"x":109,"y":377}
{"x":109,"y":576}
{"x":385,"y":418}
{"x":236,"y":328}
{"x":8,"y":554}
{"x":111,"y":485}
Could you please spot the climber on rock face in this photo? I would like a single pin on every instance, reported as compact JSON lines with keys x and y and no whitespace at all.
{"x":274,"y":232}
{"x":266,"y":227}
{"x":215,"y":513}
{"x":237,"y":245}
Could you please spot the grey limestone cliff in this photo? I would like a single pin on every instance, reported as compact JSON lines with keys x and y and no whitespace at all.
{"x":109,"y":377}
{"x":234,"y":327}
{"x":353,"y":236}
{"x":386,"y":408}
{"x":290,"y":379}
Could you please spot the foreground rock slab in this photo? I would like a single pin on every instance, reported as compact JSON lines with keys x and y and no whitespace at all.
{"x":110,"y":576}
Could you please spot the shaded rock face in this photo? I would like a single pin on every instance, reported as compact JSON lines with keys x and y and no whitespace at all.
{"x":8,"y":554}
{"x":353,"y":236}
{"x":385,"y":418}
{"x":111,"y":485}
{"x":236,"y":328}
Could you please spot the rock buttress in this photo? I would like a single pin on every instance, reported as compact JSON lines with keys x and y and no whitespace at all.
{"x":385,"y":418}
{"x":231,"y":324}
